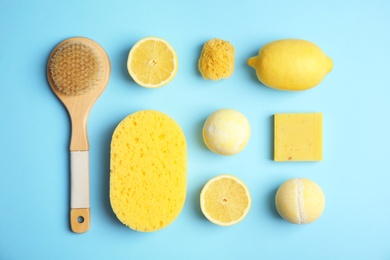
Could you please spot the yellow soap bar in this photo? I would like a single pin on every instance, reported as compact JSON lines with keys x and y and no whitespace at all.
{"x":148,"y":178}
{"x":298,"y":137}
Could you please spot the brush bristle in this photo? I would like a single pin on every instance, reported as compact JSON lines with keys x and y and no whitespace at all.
{"x":76,"y":68}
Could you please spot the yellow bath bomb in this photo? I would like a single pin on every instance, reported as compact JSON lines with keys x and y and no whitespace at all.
{"x":291,"y":64}
{"x":226,"y":132}
{"x":148,"y":166}
{"x":300,"y":201}
{"x":216,"y":60}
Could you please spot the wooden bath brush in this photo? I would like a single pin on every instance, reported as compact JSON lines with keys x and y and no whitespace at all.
{"x":78,"y":71}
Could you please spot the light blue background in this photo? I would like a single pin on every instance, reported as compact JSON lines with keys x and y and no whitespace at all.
{"x":355,"y":173}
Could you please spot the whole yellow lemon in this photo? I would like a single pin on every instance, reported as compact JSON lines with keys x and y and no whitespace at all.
{"x":291,"y":64}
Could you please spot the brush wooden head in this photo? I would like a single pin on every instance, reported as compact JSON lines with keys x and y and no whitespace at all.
{"x":76,"y":68}
{"x":78,"y":71}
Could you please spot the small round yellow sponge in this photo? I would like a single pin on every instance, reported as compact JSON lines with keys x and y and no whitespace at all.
{"x":226,"y":132}
{"x":300,"y":201}
{"x":216,"y":60}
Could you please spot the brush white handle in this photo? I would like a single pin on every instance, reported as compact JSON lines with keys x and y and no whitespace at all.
{"x":79,"y":191}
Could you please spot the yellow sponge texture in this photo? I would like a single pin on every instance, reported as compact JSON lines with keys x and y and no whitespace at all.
{"x":300,"y":201}
{"x":216,"y":60}
{"x":148,"y":170}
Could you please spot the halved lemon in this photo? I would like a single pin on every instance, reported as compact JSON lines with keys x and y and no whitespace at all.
{"x":152,"y":62}
{"x":225,"y":200}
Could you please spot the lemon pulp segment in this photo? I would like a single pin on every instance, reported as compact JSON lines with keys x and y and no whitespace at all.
{"x":225,"y":200}
{"x":152,"y":62}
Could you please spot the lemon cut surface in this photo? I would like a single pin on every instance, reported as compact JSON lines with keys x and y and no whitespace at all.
{"x":152,"y":62}
{"x":225,"y":200}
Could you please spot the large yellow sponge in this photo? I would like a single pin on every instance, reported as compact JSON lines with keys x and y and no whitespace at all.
{"x":148,"y":170}
{"x":216,"y":60}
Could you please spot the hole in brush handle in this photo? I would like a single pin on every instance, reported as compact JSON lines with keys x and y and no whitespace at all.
{"x":80,"y":220}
